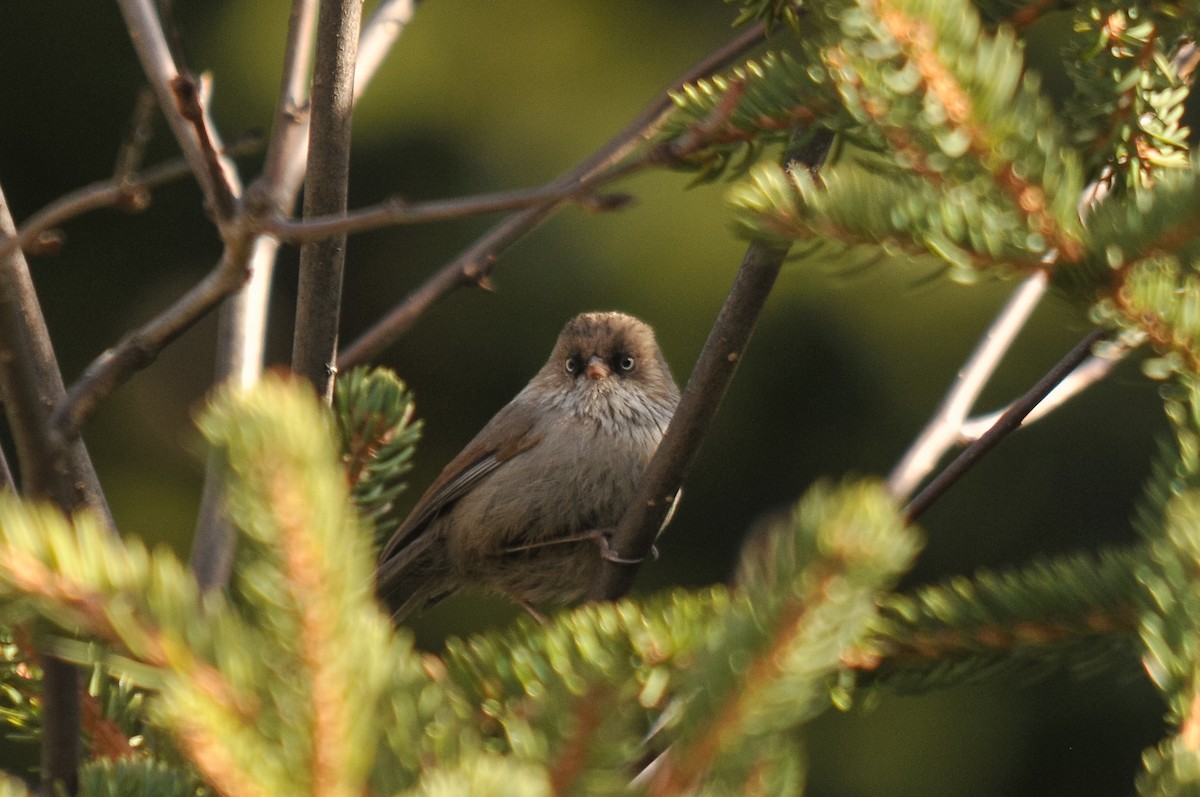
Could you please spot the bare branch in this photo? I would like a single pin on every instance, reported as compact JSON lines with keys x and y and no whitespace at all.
{"x":192,"y":98}
{"x":150,"y":42}
{"x":398,"y":211}
{"x":31,"y":386}
{"x":698,"y":405}
{"x":697,"y":408}
{"x":1009,"y":421}
{"x":120,"y":191}
{"x":141,"y":130}
{"x":944,"y":429}
{"x":476,"y":263}
{"x":61,"y":717}
{"x":242,"y":325}
{"x":319,"y":300}
{"x":140,"y":348}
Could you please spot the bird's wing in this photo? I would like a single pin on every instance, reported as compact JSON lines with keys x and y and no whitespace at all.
{"x":507,"y":435}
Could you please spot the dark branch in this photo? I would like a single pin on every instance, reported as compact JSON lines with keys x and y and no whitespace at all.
{"x":397,"y":211}
{"x":31,"y":386}
{"x":698,"y":406}
{"x":191,"y":100}
{"x":318,"y":305}
{"x":1007,"y":423}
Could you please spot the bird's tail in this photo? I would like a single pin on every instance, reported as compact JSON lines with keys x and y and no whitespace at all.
{"x":413,"y":578}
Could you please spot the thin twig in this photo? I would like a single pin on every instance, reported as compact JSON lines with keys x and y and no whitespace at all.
{"x":1009,"y":421}
{"x":31,"y":387}
{"x":150,"y":43}
{"x":141,"y":130}
{"x":714,"y":369}
{"x":474,"y":265}
{"x":943,"y":430}
{"x":192,"y":97}
{"x":319,"y":293}
{"x":140,"y":348}
{"x":120,"y":191}
{"x":398,"y":211}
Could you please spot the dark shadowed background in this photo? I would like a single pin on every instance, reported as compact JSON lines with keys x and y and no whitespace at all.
{"x":844,"y":369}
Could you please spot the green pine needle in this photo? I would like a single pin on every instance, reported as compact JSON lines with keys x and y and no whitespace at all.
{"x":1078,"y":611}
{"x":378,"y":438}
{"x":806,"y":596}
{"x":137,"y":777}
{"x":722,"y":125}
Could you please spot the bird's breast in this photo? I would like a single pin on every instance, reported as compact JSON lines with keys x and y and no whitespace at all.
{"x":580,"y":476}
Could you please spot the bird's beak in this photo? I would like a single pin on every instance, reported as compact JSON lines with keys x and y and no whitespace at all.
{"x":597,"y":369}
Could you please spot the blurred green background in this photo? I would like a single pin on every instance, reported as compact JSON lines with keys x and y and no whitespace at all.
{"x":844,"y":369}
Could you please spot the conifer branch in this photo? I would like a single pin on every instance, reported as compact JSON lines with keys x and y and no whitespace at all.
{"x":378,"y":435}
{"x":920,"y":40}
{"x":1075,"y":611}
{"x":684,"y":765}
{"x":586,"y":719}
{"x":10,"y":786}
{"x":330,"y":724}
{"x":310,"y":556}
{"x":805,"y":598}
{"x":756,"y":104}
{"x":26,"y":574}
{"x":108,"y":740}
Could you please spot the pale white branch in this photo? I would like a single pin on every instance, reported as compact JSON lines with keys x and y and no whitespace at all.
{"x":944,"y":429}
{"x":1095,"y":369}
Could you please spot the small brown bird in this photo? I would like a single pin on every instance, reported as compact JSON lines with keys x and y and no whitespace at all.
{"x":522,"y":510}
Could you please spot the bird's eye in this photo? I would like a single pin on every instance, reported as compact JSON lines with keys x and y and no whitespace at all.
{"x":626,"y":363}
{"x":572,"y":365}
